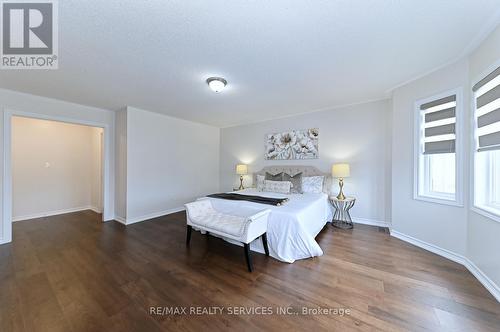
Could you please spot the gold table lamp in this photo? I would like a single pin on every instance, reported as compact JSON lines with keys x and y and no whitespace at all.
{"x":241,"y":170}
{"x":341,"y":171}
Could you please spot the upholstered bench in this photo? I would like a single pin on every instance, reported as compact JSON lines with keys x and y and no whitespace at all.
{"x":202,"y":216}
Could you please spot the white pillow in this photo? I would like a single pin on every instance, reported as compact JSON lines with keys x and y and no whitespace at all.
{"x":260,"y":182}
{"x":312,"y":184}
{"x":281,"y":187}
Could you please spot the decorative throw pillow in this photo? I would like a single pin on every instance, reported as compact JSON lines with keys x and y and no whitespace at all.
{"x":260,"y":182}
{"x":275,"y":177}
{"x":296,"y":181}
{"x":312,"y":184}
{"x":281,"y":187}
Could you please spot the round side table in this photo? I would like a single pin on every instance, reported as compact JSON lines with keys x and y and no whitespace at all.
{"x":341,"y":217}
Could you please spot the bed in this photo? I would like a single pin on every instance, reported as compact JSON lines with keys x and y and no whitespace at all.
{"x":292,"y":228}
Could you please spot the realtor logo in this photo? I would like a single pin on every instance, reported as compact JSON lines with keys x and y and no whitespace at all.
{"x":29,"y":34}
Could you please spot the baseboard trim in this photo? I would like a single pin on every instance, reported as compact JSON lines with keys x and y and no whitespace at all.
{"x":121,"y":220}
{"x":371,"y":222}
{"x":130,"y":221}
{"x":95,"y":209}
{"x":491,"y":286}
{"x":429,"y":247}
{"x":54,"y":213}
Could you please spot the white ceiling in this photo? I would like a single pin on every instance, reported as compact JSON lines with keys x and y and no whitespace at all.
{"x":280,"y":57}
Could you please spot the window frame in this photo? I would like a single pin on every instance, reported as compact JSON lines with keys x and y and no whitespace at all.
{"x":490,"y":211}
{"x":421,"y":177}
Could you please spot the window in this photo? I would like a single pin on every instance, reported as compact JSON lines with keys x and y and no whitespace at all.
{"x":442,"y":173}
{"x":495,"y":179}
{"x":436,"y":139}
{"x":487,"y":144}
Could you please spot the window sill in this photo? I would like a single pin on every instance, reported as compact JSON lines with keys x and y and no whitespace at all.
{"x":437,"y":200}
{"x":488,"y":212}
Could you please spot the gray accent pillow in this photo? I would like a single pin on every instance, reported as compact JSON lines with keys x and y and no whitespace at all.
{"x":296,"y":181}
{"x":275,"y":177}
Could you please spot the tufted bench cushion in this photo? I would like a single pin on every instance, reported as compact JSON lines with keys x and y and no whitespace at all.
{"x":224,"y":223}
{"x":202,"y":216}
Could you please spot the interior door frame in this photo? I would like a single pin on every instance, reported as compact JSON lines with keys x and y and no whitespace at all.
{"x":7,"y":165}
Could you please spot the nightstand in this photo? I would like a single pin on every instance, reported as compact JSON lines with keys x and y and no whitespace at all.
{"x":341,"y":217}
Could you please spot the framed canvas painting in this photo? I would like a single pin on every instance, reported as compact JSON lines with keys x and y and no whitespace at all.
{"x":294,"y":144}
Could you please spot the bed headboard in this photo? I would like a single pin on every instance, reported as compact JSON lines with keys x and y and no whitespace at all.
{"x":292,"y":170}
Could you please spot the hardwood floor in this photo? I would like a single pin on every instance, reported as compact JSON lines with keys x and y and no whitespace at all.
{"x":73,"y":273}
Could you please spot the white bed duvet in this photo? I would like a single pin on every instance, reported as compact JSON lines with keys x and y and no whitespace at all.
{"x":292,"y":227}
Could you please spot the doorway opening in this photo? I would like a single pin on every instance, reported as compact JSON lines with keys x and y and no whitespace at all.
{"x":57,"y":168}
{"x":107,"y":190}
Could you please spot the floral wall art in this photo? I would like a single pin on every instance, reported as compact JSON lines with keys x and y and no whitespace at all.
{"x":294,"y":144}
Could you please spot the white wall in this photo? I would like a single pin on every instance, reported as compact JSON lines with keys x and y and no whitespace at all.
{"x":53,"y":167}
{"x":358,"y":134}
{"x":121,"y":165}
{"x":96,"y":155}
{"x":441,"y":225}
{"x":483,"y":234}
{"x":46,"y":107}
{"x":169,"y":162}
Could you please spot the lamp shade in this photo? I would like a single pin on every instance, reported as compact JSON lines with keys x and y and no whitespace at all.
{"x":241,"y":169}
{"x":341,"y":170}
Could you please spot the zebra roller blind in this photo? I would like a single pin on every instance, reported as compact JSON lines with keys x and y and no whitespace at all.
{"x":439,"y":117}
{"x":487,"y":95}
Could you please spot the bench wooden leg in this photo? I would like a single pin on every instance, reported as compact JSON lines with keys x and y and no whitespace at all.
{"x":247,"y":256}
{"x":264,"y":242}
{"x":188,"y":234}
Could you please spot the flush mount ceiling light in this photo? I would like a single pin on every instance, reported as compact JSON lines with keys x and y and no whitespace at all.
{"x":217,"y":84}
